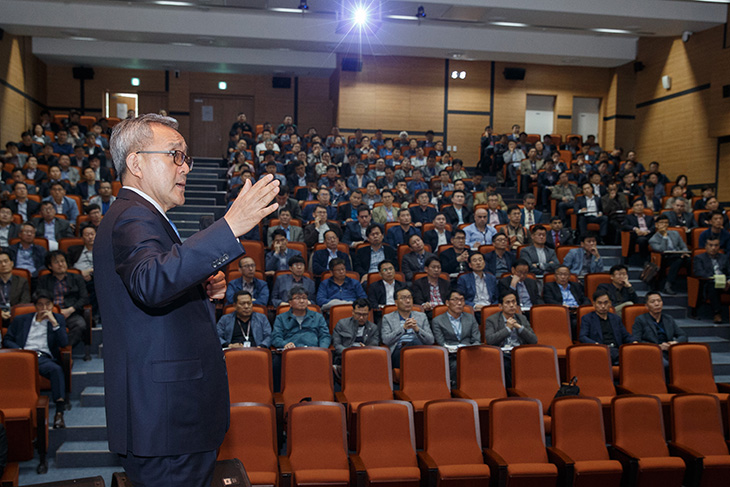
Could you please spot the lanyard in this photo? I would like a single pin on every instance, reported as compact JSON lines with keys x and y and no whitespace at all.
{"x":247,"y":333}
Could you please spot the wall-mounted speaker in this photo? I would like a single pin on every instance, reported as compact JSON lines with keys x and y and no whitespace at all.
{"x":638,"y":66}
{"x":726,"y":91}
{"x":81,"y":72}
{"x":281,"y":82}
{"x":351,"y":64}
{"x":514,"y":73}
{"x":2,"y":34}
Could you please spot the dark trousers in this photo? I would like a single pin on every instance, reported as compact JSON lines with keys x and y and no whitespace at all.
{"x":51,"y":370}
{"x":672,"y":263}
{"x":714,"y":296}
{"x":191,"y":470}
{"x":395,"y":356}
{"x":507,"y":357}
{"x":76,"y":325}
{"x":602,"y":220}
{"x":642,"y":242}
{"x":562,"y":209}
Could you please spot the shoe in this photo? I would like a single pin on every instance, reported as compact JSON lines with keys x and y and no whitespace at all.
{"x":58,"y":422}
{"x":668,"y":290}
{"x":337,"y":370}
{"x":717,"y":318}
{"x":87,"y":357}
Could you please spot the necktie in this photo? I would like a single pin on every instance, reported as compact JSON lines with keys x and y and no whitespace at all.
{"x":174,"y":228}
{"x":556,"y":238}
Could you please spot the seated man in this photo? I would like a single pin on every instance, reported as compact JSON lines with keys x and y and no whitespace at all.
{"x":8,"y":229}
{"x":603,"y":327}
{"x":439,"y":235}
{"x":69,"y":294}
{"x":508,"y":329}
{"x":105,"y":197}
{"x":415,"y":261}
{"x":21,"y":205}
{"x":530,"y":216}
{"x":499,"y":261}
{"x":454,"y":259}
{"x":455,"y":328}
{"x":299,"y":326}
{"x":321,"y":258}
{"x":656,"y":327}
{"x":348,"y":212}
{"x":716,"y":231}
{"x":293,"y":233}
{"x":668,"y":243}
{"x":13,"y":289}
{"x":62,"y":203}
{"x":558,"y":235}
{"x":564,"y":193}
{"x":404,"y":327}
{"x":382,"y":292}
{"x":431,"y":291}
{"x":399,"y":234}
{"x":539,"y":257}
{"x":44,"y":333}
{"x":527,"y":289}
{"x":356,"y":231}
{"x":708,"y":265}
{"x":81,"y":257}
{"x":479,"y":232}
{"x":640,"y":228}
{"x":680,"y":217}
{"x":315,"y":231}
{"x":589,"y":210}
{"x":277,"y":259}
{"x":284,"y":282}
{"x":355,"y":331}
{"x":585,"y":260}
{"x":243,"y":328}
{"x":479,"y":288}
{"x":368,"y":258}
{"x":338,"y":289}
{"x":458,"y":213}
{"x":323,"y":197}
{"x":248,"y":282}
{"x":565,"y":293}
{"x":50,"y":227}
{"x":25,"y":254}
{"x":619,"y":290}
{"x":422,"y":212}
{"x":386,"y":212}
{"x":518,"y":235}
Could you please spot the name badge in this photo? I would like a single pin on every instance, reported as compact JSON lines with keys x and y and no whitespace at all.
{"x":246,"y":344}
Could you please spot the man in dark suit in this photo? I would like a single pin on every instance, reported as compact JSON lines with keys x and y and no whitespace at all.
{"x":101,"y":173}
{"x":27,"y":255}
{"x":530,"y":216}
{"x":557,"y":235}
{"x":383,"y":292}
{"x":277,"y":259}
{"x":458,"y":213}
{"x":415,"y":260}
{"x":47,"y":345}
{"x":680,"y":217}
{"x":500,"y":260}
{"x":321,"y":258}
{"x":454,"y":260}
{"x":356,"y":231}
{"x":431,"y":291}
{"x":348,"y":212}
{"x":355,"y":331}
{"x":595,"y":326}
{"x":13,"y":289}
{"x":8,"y":229}
{"x":286,"y":203}
{"x":50,"y":227}
{"x":323,"y":197}
{"x":563,"y":291}
{"x":166,"y":385}
{"x":527,"y":289}
{"x":656,"y":327}
{"x":439,"y":235}
{"x":640,"y":228}
{"x":400,"y":234}
{"x":368,"y":257}
{"x":21,"y":205}
{"x":708,"y":265}
{"x":314,"y":232}
{"x":422,"y":212}
{"x":446,"y":333}
{"x":589,"y":210}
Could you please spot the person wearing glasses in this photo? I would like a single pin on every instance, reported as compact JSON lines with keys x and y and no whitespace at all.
{"x":455,"y":329}
{"x":167,"y":392}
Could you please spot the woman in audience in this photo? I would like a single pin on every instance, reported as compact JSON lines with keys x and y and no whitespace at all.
{"x":39,"y":135}
{"x":682,"y":182}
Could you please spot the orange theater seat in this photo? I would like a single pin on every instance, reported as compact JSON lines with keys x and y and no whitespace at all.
{"x":305,"y":372}
{"x":250,"y":378}
{"x":535,"y":374}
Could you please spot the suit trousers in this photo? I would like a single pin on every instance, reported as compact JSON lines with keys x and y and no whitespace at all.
{"x":51,"y":370}
{"x":395,"y":356}
{"x":191,"y":470}
{"x":714,"y":296}
{"x":76,"y":325}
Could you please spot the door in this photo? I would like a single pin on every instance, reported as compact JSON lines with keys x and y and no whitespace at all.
{"x":211,"y":117}
{"x":586,"y":116}
{"x":539,"y":114}
{"x":118,"y":104}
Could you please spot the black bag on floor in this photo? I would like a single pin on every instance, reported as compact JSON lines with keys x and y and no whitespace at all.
{"x":227,"y":472}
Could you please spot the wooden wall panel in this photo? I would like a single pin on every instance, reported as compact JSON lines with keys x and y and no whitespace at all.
{"x":465,"y":132}
{"x":24,"y":72}
{"x":315,"y":106}
{"x":471,"y":93}
{"x":724,"y":176}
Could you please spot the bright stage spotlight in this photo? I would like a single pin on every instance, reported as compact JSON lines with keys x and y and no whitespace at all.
{"x":360,"y":16}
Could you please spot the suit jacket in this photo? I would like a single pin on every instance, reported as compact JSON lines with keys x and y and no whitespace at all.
{"x":294,"y":209}
{"x":689,"y":220}
{"x":582,"y":202}
{"x":536,"y":214}
{"x":443,"y":332}
{"x":391,"y":329}
{"x":76,"y":294}
{"x":591,"y":332}
{"x":352,"y":233}
{"x":453,"y":218}
{"x":659,"y":244}
{"x":320,"y":258}
{"x":38,"y":177}
{"x":529,"y":253}
{"x":574,"y":260}
{"x":431,"y":238}
{"x":344,"y":212}
{"x":631,"y":221}
{"x":396,"y":236}
{"x":17,"y":334}
{"x":468,"y":288}
{"x":13,"y":229}
{"x":70,"y":209}
{"x":74,"y":254}
{"x":449,"y":263}
{"x":380,"y":216}
{"x":272,"y":261}
{"x":409,"y":264}
{"x":377,"y":295}
{"x":566,"y":238}
{"x":33,"y":207}
{"x":311,"y":235}
{"x":163,"y":362}
{"x":533,"y":289}
{"x":62,"y":228}
{"x":83,"y":189}
{"x":422,"y":215}
{"x":260,"y":329}
{"x":361,"y":262}
{"x":502,"y":216}
{"x":422,"y":290}
{"x":284,"y":283}
{"x":496,"y":331}
{"x":490,"y":261}
{"x":702,"y":265}
{"x":345,"y":333}
{"x":296,"y":234}
{"x":645,"y":329}
{"x":619,"y":296}
{"x":552,"y":295}
{"x":39,"y":256}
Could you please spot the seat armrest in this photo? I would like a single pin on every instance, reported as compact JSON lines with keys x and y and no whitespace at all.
{"x":723,"y":387}
{"x":402,"y":396}
{"x":285,"y":471}
{"x":358,"y":474}
{"x":497,"y":467}
{"x":692,"y":460}
{"x":565,"y":464}
{"x":340,"y":397}
{"x":279,"y":399}
{"x":623,"y":390}
{"x":429,"y":469}
{"x":628,"y":461}
{"x":458,"y":393}
{"x":511,"y":391}
{"x":671,"y":388}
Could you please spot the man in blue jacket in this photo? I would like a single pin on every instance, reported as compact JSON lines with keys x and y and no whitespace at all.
{"x":300,"y":326}
{"x":248,"y":282}
{"x":603,"y":327}
{"x":243,"y":328}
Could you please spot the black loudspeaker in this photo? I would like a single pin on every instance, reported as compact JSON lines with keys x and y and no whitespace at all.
{"x":514,"y":73}
{"x":638,"y":66}
{"x":227,"y":472}
{"x":351,"y":64}
{"x":81,"y":72}
{"x":2,"y":34}
{"x":726,"y":91}
{"x":281,"y":82}
{"x":87,"y":482}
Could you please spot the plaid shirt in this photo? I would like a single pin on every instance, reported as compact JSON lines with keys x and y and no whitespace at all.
{"x":60,"y":288}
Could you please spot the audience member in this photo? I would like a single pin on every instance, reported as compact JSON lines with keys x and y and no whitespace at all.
{"x":368,"y":258}
{"x":292,"y":232}
{"x":382,"y":292}
{"x":527,"y":288}
{"x":439,"y":235}
{"x":564,"y":193}
{"x":26,"y":254}
{"x":13,"y":289}
{"x":400,"y":233}
{"x":321,"y":258}
{"x":431,"y":291}
{"x":589,"y":210}
{"x":603,"y":327}
{"x":539,"y":257}
{"x":711,"y":265}
{"x":680,"y":217}
{"x":675,"y":254}
{"x":338,"y":289}
{"x":424,"y":212}
{"x":8,"y":229}
{"x":21,"y":205}
{"x":356,"y":231}
{"x":243,"y":328}
{"x":299,"y":326}
{"x":277,"y":259}
{"x":386,"y":212}
{"x":104,"y":198}
{"x":404,"y":327}
{"x":657,"y":327}
{"x":315,"y":232}
{"x":62,"y":203}
{"x":479,"y":232}
{"x":716,"y":231}
{"x":586,"y":259}
{"x":355,"y":331}
{"x":455,"y":328}
{"x":558,"y":235}
{"x":479,"y":288}
{"x":284,"y":282}
{"x":454,"y":259}
{"x":50,"y":227}
{"x":458,"y":213}
{"x":248,"y":282}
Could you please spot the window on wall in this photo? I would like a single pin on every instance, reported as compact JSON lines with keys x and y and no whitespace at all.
{"x":119,"y":104}
{"x":539,"y":114}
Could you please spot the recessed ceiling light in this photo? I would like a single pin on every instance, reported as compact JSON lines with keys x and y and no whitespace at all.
{"x":713,"y":1}
{"x":173,"y":3}
{"x":287,"y":10}
{"x":184,"y":44}
{"x":612,"y":31}
{"x":510,"y":24}
{"x":402,"y":17}
{"x":222,"y":85}
{"x":135,"y":81}
{"x":82,"y":38}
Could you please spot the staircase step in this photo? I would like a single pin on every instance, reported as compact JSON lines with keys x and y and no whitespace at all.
{"x":82,"y":424}
{"x":92,"y":396}
{"x":717,"y":344}
{"x":78,"y":454}
{"x":86,"y":374}
{"x":721,"y":363}
{"x":696,"y":328}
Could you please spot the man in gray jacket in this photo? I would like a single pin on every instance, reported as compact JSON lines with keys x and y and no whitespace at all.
{"x":404,"y":327}
{"x":455,"y":329}
{"x":668,"y":243}
{"x":355,"y":331}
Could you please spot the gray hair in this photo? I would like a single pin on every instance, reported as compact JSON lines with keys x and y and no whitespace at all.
{"x":132,"y":134}
{"x":297,"y":290}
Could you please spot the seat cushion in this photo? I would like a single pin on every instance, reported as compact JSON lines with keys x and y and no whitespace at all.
{"x":323,"y":476}
{"x":477,"y":470}
{"x":716,"y":461}
{"x":485,"y":402}
{"x":532,"y":470}
{"x":597,"y":466}
{"x":17,"y":413}
{"x":548,"y":424}
{"x":262,"y":478}
{"x":393,"y":474}
{"x":661,"y":463}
